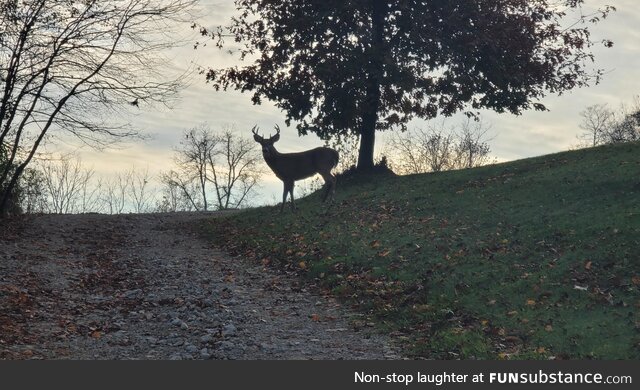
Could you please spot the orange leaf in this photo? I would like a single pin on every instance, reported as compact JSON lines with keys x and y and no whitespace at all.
{"x":531,"y":302}
{"x":96,"y":334}
{"x":315,"y":317}
{"x":302,"y":265}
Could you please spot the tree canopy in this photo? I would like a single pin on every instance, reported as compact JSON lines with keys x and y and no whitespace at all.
{"x":351,"y":67}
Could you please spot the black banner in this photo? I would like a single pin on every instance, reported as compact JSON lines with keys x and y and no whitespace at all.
{"x":322,"y":374}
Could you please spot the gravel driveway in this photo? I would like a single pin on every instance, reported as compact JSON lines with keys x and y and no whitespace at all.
{"x":146,"y":287}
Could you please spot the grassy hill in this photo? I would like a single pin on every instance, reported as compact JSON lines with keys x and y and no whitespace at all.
{"x":531,"y":259}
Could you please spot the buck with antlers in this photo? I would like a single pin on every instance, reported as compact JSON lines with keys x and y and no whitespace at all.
{"x":290,"y":167}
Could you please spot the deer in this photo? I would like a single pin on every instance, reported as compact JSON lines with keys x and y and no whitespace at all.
{"x":290,"y":167}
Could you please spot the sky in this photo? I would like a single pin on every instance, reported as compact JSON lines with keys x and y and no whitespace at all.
{"x":513,"y":137}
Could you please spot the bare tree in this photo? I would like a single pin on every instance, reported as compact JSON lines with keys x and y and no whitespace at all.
{"x":440,"y":148}
{"x":625,"y":126}
{"x":115,"y":191}
{"x":422,"y":150}
{"x":472,"y":146}
{"x":70,"y":65}
{"x":140,"y":193}
{"x":177,"y":194}
{"x":192,"y":159}
{"x":230,"y":163}
{"x":236,"y":168}
{"x":67,"y":185}
{"x":597,"y":120}
{"x":603,"y":125}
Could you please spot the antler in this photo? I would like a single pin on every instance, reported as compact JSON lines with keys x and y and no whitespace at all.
{"x":277,"y":129}
{"x":257,"y":136}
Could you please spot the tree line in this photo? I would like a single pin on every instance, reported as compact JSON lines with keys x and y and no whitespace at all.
{"x":211,"y":171}
{"x":221,"y":170}
{"x":604,"y":125}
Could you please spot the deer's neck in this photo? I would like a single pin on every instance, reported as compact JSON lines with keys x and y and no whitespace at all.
{"x":271,"y":157}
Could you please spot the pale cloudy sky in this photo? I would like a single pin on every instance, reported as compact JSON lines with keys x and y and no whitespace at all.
{"x":530,"y":134}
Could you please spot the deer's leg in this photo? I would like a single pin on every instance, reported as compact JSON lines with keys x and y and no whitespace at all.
{"x":288,"y":189}
{"x":293,"y":206}
{"x":330,"y":184}
{"x":284,"y":196}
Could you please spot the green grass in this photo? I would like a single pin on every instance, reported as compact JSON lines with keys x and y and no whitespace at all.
{"x":522,"y":260}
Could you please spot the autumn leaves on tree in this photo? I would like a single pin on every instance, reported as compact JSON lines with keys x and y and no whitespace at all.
{"x":344,"y":68}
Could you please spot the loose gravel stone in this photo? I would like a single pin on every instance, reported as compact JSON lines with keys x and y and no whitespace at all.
{"x":145,"y":287}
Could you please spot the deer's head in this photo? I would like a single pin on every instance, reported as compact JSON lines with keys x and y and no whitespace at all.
{"x":266,"y":143}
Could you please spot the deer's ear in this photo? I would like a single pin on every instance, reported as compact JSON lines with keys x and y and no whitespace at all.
{"x":275,"y":138}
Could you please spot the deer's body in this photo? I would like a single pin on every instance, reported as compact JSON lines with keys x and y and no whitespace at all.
{"x":295,"y":166}
{"x":290,"y":167}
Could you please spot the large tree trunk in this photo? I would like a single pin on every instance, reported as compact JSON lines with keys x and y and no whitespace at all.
{"x":374,"y":80}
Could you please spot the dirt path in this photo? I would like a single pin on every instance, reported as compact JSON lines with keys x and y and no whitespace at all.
{"x":144,"y":287}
